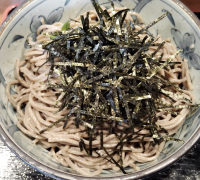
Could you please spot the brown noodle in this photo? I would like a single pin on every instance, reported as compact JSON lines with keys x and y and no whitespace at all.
{"x":39,"y":110}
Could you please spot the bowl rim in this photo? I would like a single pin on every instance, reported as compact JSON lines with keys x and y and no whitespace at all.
{"x":51,"y":172}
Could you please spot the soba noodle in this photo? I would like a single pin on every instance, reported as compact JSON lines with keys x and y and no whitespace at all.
{"x":64,"y":144}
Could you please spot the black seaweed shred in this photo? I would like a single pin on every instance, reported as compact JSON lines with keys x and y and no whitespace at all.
{"x":107,"y":76}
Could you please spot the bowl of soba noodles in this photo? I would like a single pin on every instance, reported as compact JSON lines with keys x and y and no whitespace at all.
{"x":100,"y":89}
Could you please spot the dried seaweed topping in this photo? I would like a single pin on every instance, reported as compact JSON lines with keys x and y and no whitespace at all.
{"x":108,"y":76}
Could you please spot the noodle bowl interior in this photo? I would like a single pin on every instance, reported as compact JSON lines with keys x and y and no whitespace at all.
{"x":64,"y":144}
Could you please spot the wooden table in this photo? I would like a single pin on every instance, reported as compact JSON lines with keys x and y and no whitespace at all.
{"x":192,"y":4}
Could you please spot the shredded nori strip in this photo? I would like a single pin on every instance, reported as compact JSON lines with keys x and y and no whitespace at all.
{"x":107,"y":75}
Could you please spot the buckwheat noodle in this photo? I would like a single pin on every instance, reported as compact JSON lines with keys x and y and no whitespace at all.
{"x":64,"y":144}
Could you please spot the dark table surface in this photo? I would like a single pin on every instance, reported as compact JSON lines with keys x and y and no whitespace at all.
{"x":186,"y":168}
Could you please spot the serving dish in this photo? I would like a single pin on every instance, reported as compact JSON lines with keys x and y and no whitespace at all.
{"x":182,"y":27}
